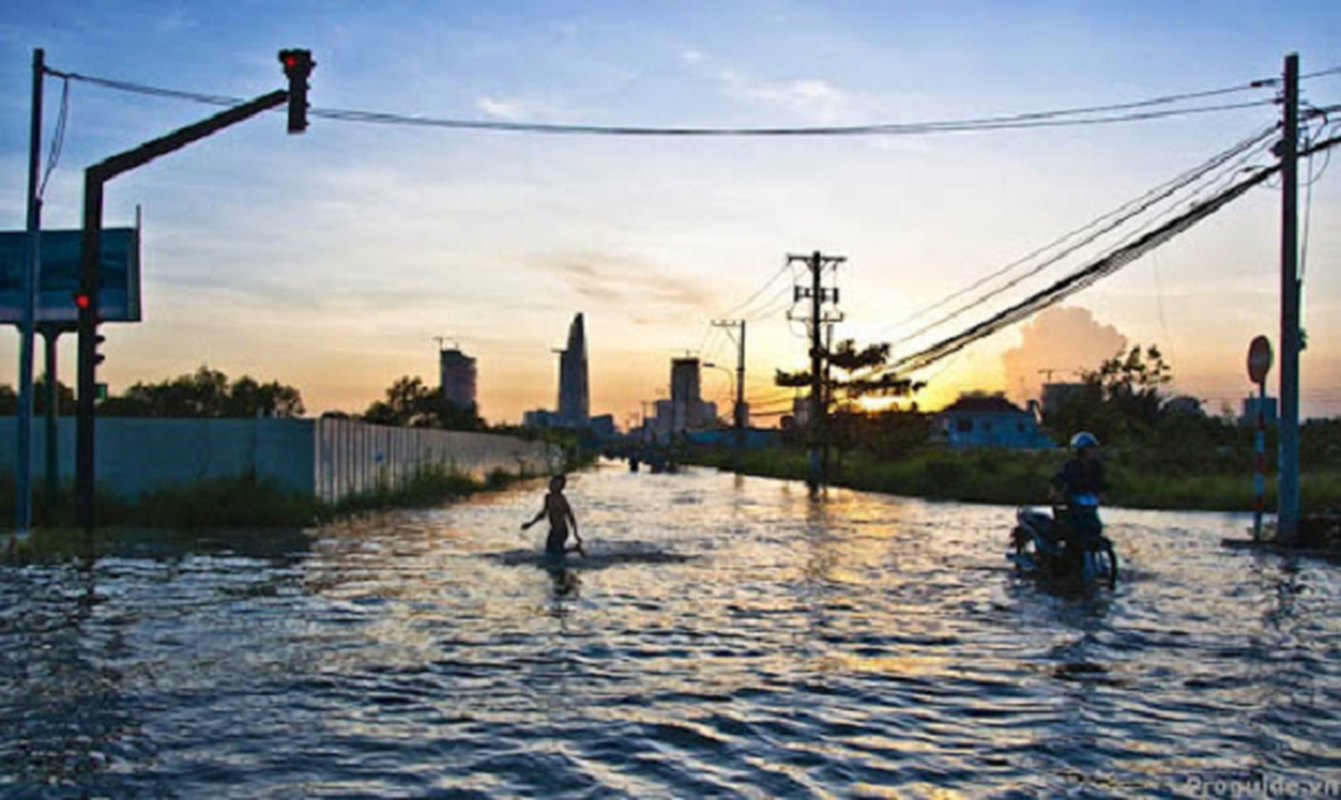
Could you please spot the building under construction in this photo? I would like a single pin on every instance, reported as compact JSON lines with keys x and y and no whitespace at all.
{"x":457,"y":377}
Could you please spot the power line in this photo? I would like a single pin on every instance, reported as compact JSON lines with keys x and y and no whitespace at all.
{"x":739,"y":306}
{"x":1092,"y":273}
{"x":782,"y":299}
{"x":1076,"y":281}
{"x":1318,"y":74}
{"x":1084,"y":115}
{"x":1045,"y":119}
{"x":1096,"y":228}
{"x":57,"y":140}
{"x":1146,"y":198}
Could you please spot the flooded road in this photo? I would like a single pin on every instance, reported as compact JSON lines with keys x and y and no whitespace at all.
{"x":734,"y":637}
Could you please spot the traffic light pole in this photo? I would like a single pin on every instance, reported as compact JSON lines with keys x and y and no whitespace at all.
{"x":89,"y":275}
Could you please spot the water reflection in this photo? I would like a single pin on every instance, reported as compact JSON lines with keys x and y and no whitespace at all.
{"x":566,"y":586}
{"x":733,"y":636}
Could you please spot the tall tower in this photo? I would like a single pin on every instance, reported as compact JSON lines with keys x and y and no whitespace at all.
{"x":456,"y":377}
{"x":685,"y":380}
{"x":574,"y":394}
{"x":686,"y":400}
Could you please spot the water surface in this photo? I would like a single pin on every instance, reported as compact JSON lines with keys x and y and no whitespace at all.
{"x":738,"y":638}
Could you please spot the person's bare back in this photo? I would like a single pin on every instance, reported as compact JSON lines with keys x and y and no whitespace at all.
{"x":560,"y":514}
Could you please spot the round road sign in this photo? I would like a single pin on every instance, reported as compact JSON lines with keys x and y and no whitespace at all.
{"x":1259,"y":359}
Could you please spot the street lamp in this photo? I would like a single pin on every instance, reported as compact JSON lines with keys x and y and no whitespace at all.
{"x":731,"y":378}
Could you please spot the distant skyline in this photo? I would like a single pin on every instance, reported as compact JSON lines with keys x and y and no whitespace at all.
{"x":331,"y":260}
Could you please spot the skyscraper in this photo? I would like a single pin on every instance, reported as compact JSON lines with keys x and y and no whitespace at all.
{"x":456,"y":374}
{"x":574,"y":394}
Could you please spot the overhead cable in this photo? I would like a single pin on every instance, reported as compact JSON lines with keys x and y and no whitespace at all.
{"x":1084,"y":115}
{"x":57,"y":140}
{"x":1125,"y":211}
{"x":1090,"y":274}
{"x":1105,"y":224}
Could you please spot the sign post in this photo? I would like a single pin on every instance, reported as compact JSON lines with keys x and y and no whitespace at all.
{"x":1259,"y":364}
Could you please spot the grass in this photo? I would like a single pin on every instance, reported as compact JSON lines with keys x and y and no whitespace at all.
{"x":258,"y":516}
{"x":1022,"y":477}
{"x":426,"y":488}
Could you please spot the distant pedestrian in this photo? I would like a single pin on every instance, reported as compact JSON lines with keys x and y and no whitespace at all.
{"x":560,"y":515}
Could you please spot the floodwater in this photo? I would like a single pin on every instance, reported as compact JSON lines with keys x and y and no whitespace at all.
{"x":733,"y":637}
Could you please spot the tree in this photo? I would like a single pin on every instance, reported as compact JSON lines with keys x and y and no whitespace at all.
{"x":409,"y":403}
{"x":65,"y":398}
{"x":206,"y":393}
{"x":846,"y":390}
{"x":249,"y":398}
{"x":1119,"y":401}
{"x":859,"y":376}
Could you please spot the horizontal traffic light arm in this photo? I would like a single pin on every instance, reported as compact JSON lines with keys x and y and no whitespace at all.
{"x":124,"y":162}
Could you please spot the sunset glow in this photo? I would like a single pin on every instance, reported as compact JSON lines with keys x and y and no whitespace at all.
{"x":331,"y":260}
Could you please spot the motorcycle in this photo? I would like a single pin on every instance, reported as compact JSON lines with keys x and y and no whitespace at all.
{"x":1060,"y":552}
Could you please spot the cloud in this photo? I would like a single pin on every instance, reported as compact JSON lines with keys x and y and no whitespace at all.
{"x":628,"y":282}
{"x":175,"y":21}
{"x":1055,"y":345}
{"x":509,"y":111}
{"x":812,"y":98}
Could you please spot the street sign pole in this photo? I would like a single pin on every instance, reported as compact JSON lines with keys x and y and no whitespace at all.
{"x":1259,"y":364}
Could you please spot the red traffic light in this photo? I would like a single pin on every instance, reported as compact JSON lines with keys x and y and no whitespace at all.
{"x":297,"y":67}
{"x":82,"y":301}
{"x":297,"y":63}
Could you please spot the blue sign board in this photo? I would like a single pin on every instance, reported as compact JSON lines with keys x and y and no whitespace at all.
{"x":119,"y":280}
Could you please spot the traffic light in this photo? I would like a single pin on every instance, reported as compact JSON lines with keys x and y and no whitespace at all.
{"x":98,"y":357}
{"x":82,"y":301}
{"x":297,"y":67}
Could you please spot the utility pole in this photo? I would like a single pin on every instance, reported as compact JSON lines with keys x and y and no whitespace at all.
{"x":1287,"y":488}
{"x":738,"y":413}
{"x":27,"y":334}
{"x":818,"y":263}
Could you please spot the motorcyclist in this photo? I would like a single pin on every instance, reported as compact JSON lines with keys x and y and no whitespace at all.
{"x":1078,"y":485}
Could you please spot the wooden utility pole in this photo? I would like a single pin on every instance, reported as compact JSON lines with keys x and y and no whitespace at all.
{"x":817,"y":262}
{"x":1287,"y":487}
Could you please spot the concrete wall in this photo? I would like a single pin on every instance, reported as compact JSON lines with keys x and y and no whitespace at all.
{"x":327,"y":457}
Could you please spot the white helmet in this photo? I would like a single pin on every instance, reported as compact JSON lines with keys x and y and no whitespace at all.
{"x":1084,"y":439}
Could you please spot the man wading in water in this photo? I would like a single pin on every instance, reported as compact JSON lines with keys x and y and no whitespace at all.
{"x":560,"y":514}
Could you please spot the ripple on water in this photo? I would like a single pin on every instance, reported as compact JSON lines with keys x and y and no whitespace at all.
{"x":740,"y":638}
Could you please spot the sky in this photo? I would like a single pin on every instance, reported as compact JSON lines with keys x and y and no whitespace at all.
{"x":331,"y":260}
